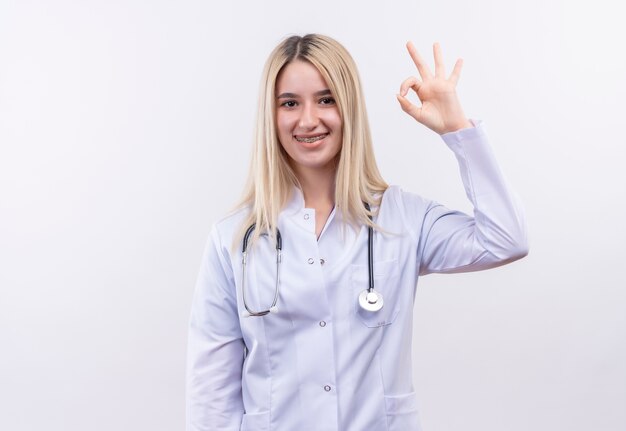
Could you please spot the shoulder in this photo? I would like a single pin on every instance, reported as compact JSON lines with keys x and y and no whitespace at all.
{"x":403,"y":211}
{"x":395,"y":198}
{"x":232,"y":220}
{"x":225,"y":230}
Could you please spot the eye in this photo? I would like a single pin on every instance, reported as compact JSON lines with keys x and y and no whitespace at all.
{"x":289,"y":104}
{"x":327,"y":101}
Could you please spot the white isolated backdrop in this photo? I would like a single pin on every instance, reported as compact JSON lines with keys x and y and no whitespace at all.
{"x":125,"y":131}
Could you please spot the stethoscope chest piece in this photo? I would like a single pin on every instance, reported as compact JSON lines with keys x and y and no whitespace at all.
{"x":370,"y":300}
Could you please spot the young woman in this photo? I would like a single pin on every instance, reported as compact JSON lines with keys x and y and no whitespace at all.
{"x":302,"y":313}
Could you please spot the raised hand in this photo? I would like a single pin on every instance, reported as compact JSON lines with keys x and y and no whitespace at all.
{"x":440,"y":110}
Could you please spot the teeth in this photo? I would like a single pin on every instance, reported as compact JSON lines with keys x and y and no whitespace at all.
{"x":311,"y":139}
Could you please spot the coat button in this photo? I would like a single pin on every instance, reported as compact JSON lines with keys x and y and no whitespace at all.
{"x":306,"y":216}
{"x":322,"y":323}
{"x":322,"y":262}
{"x":327,"y":388}
{"x":311,"y":260}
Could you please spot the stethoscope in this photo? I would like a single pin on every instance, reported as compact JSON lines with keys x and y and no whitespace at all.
{"x":369,"y":299}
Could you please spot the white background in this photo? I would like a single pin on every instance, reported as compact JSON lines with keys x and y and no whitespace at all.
{"x":125,"y":131}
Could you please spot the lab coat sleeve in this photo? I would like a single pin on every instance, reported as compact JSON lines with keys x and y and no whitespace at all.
{"x":452,"y":241}
{"x":215,"y":349}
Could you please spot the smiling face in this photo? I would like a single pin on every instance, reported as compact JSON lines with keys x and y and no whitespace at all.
{"x":307,"y":118}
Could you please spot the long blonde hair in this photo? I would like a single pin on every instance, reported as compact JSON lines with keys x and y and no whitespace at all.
{"x":271,"y":177}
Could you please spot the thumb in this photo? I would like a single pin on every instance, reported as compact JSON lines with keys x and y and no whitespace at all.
{"x":408,"y":107}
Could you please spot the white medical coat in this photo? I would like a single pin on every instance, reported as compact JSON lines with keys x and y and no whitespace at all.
{"x":321,"y":363}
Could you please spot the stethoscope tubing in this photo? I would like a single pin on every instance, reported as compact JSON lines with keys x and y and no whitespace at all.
{"x":370,"y":251}
{"x":279,"y":248}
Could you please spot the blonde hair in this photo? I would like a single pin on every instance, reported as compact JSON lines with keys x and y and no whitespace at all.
{"x":271,"y":177}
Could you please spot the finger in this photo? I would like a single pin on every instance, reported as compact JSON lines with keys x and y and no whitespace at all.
{"x":456,"y":72}
{"x":408,"y":107}
{"x":440,"y":68}
{"x":419,"y":62}
{"x":410,"y":82}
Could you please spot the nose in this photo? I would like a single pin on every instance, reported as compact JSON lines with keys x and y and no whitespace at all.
{"x":308,"y":117}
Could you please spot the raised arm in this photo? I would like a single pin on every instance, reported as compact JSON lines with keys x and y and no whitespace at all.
{"x":451,"y":241}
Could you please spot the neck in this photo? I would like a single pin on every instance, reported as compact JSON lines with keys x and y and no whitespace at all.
{"x":318,"y":187}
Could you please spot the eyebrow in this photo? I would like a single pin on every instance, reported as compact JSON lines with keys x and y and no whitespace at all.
{"x":325,"y":92}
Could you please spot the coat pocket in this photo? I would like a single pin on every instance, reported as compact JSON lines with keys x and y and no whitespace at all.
{"x":255,"y":421}
{"x":386,"y":280}
{"x":402,"y":414}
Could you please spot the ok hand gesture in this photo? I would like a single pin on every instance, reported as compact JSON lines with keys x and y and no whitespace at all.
{"x":441,"y":110}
